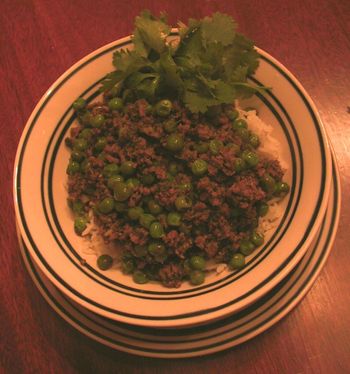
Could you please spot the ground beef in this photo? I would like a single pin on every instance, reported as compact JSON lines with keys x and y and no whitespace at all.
{"x":171,"y":275}
{"x":177,"y":242}
{"x":207,"y":226}
{"x":271,"y":167}
{"x":211,"y":191}
{"x":245,"y":191}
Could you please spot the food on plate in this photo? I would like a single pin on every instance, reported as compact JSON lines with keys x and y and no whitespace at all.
{"x":166,"y":165}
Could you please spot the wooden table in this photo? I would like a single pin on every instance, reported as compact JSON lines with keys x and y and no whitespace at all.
{"x":39,"y":40}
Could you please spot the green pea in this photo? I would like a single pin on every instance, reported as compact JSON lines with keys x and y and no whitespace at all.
{"x":78,"y":207}
{"x":262,"y":209}
{"x":73,"y":167}
{"x":148,"y":179}
{"x":77,"y":155}
{"x":127,"y":168}
{"x":163,"y":108}
{"x":197,"y":277}
{"x":201,"y":147}
{"x":237,"y":261}
{"x":156,"y":230}
{"x":154,"y":207}
{"x":246,"y":247}
{"x":80,"y":144}
{"x":250,"y":158}
{"x":98,"y":120}
{"x":173,"y":168}
{"x":240,"y":124}
{"x":110,"y":170}
{"x":156,"y":249}
{"x":183,"y":202}
{"x":135,"y":213}
{"x":254,"y":140}
{"x":128,"y":266}
{"x":232,"y":114}
{"x":170,"y":126}
{"x":121,"y":191}
{"x":85,"y":166}
{"x":145,"y":220}
{"x":85,"y":134}
{"x":268,"y":183}
{"x":113,"y":180}
{"x":79,"y":104}
{"x":116,"y":104}
{"x":199,"y":167}
{"x":186,"y":186}
{"x":175,"y":142}
{"x":239,"y":165}
{"x":139,"y":277}
{"x":257,"y":239}
{"x":215,"y":146}
{"x":106,"y":205}
{"x":100,"y":144}
{"x":197,"y":262}
{"x":243,"y":133}
{"x":104,"y":262}
{"x":173,"y":219}
{"x":282,"y":188}
{"x":132,"y":183}
{"x":80,"y":224}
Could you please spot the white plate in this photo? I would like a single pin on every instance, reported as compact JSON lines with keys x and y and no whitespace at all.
{"x":46,"y":224}
{"x":210,"y":338}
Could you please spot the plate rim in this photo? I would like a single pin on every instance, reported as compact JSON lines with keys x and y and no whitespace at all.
{"x":125,"y":40}
{"x":336,"y":207}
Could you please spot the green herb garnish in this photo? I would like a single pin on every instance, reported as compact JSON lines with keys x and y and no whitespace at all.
{"x":207,"y":67}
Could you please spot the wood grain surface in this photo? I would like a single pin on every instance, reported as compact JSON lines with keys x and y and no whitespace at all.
{"x":39,"y":40}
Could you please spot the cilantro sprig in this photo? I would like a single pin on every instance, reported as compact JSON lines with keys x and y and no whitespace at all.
{"x":208,"y":66}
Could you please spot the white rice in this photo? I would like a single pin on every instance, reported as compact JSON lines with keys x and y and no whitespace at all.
{"x":270,"y":147}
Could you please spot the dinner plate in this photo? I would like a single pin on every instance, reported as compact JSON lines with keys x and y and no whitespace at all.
{"x":208,"y":338}
{"x":46,"y":223}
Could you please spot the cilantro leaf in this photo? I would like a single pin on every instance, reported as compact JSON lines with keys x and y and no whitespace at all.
{"x":239,"y":74}
{"x":196,"y":102}
{"x":208,"y":66}
{"x":225,"y":92}
{"x":171,"y":73}
{"x":139,"y":46}
{"x":110,"y":80}
{"x":246,"y":90}
{"x":128,"y":61}
{"x":153,"y":32}
{"x":220,"y":28}
{"x":191,"y":44}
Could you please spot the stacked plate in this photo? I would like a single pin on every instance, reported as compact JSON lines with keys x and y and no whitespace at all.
{"x":150,"y":320}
